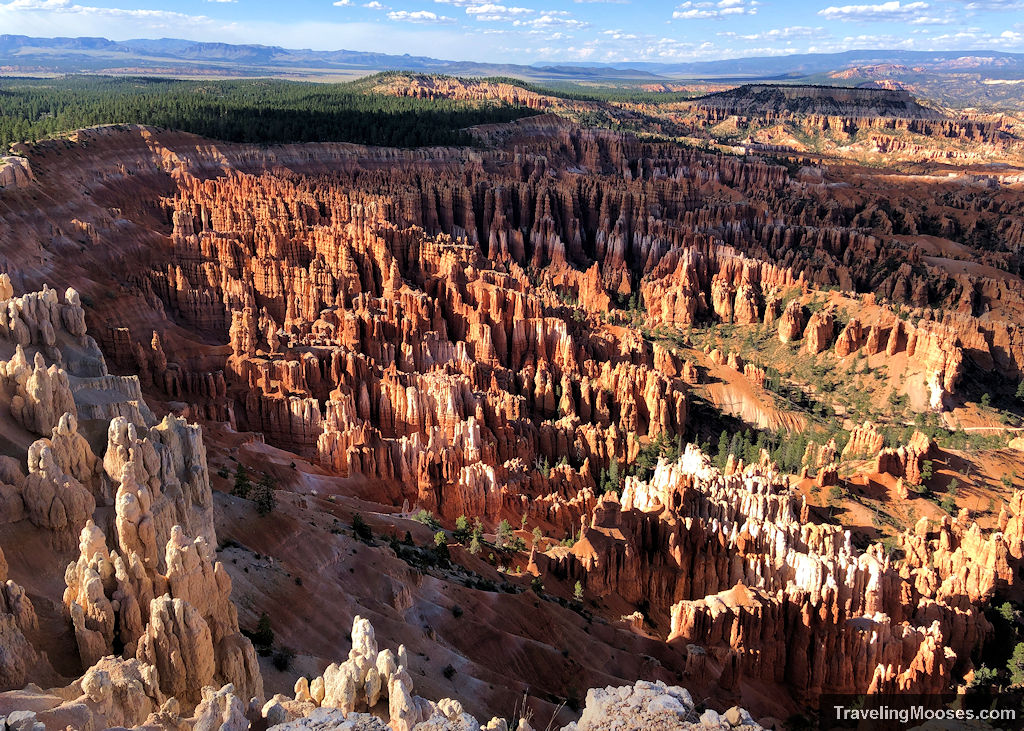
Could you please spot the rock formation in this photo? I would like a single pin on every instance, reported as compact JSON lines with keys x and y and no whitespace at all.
{"x":499,"y":332}
{"x":795,"y":602}
{"x":172,"y":609}
{"x":865,"y":442}
{"x":653,"y":705}
{"x":819,"y":332}
{"x":791,"y":325}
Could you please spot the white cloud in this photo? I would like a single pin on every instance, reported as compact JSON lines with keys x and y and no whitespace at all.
{"x":724,"y":8}
{"x":554,"y":19}
{"x":374,"y":5}
{"x":65,"y":7}
{"x":489,"y":8}
{"x":342,"y":3}
{"x":883,"y":12}
{"x":491,"y":12}
{"x":929,"y":20}
{"x":418,"y":16}
{"x":995,"y":5}
{"x":778,"y":34}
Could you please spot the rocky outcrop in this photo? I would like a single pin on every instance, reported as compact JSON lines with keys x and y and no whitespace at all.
{"x":366,"y":677}
{"x":168,"y":607}
{"x":112,"y":596}
{"x":19,"y":660}
{"x":179,"y":645}
{"x":194,"y":578}
{"x":41,"y":395}
{"x":941,"y":357}
{"x":169,"y":461}
{"x":865,"y":442}
{"x":14,"y":172}
{"x":819,"y":331}
{"x":112,"y":693}
{"x":907,"y":460}
{"x":850,"y":339}
{"x":791,"y":324}
{"x":54,"y":499}
{"x":653,"y":705}
{"x":328,"y":719}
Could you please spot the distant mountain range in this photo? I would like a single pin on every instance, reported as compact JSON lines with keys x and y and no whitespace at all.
{"x":24,"y":54}
{"x":808,"y":64}
{"x":175,"y":56}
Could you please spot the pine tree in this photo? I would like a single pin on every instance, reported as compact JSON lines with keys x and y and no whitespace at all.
{"x":723,"y":450}
{"x":504,"y":534}
{"x":735,"y":446}
{"x":613,"y":475}
{"x":462,"y":531}
{"x":242,"y":484}
{"x":441,"y":545}
{"x":263,"y":637}
{"x":538,"y":536}
{"x":263,"y":495}
{"x":1016,"y":665}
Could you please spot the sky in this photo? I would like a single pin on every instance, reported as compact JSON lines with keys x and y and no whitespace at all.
{"x":529,"y":31}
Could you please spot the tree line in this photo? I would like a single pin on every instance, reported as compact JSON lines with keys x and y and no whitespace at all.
{"x":251,"y":110}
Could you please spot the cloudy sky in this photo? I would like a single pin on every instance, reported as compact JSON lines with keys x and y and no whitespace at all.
{"x":526,"y":31}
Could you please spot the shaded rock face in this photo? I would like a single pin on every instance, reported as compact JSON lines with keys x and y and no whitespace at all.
{"x":907,"y":460}
{"x":18,"y":623}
